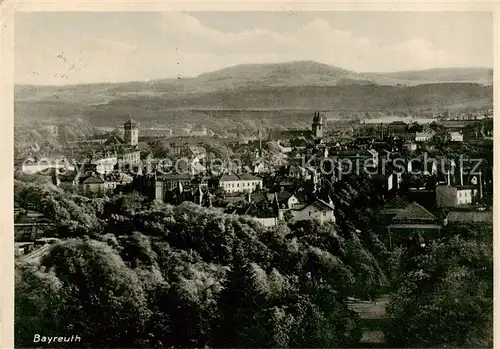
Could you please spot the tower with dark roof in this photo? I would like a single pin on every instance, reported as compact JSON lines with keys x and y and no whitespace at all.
{"x":318,"y":125}
{"x":131,"y":129}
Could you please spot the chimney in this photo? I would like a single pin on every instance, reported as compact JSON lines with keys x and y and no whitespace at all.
{"x":480,"y":185}
{"x":461,"y":175}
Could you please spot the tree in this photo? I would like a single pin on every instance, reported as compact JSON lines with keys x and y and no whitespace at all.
{"x":444,"y":296}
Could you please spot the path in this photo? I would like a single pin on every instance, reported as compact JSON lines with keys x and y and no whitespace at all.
{"x":371,"y":314}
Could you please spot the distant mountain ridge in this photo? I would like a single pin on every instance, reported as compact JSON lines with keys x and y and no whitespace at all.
{"x":292,"y":85}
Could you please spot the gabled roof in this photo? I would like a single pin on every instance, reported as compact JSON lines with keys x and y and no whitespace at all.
{"x":229,"y":177}
{"x":396,"y":202}
{"x":283,"y":196}
{"x":414,"y":211}
{"x":248,"y":177}
{"x":114,"y":140}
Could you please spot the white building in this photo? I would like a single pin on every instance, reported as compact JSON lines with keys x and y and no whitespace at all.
{"x":450,"y":196}
{"x":239,"y":183}
{"x":424,"y":136}
{"x":456,"y":137}
{"x":105,"y":164}
{"x":319,"y":210}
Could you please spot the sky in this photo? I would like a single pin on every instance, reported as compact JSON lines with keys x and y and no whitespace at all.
{"x":53,"y":48}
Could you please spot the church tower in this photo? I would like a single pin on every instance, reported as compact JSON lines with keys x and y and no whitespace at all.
{"x":131,"y":132}
{"x":318,"y":125}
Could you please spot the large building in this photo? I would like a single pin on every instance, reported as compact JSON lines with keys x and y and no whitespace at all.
{"x":232,"y":183}
{"x":131,"y":135}
{"x":318,"y":126}
{"x":316,"y":132}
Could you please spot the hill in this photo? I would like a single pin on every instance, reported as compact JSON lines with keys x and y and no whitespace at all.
{"x":295,"y":85}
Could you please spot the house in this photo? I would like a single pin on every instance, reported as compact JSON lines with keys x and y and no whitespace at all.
{"x":412,"y":222}
{"x":318,"y":210}
{"x":105,"y":164}
{"x":391,"y":209}
{"x":157,"y":132}
{"x":456,"y":136}
{"x":397,"y":128}
{"x":93,"y":183}
{"x":410,"y":146}
{"x":29,"y":224}
{"x":458,"y":218}
{"x":232,"y":183}
{"x":455,"y":195}
{"x":286,"y":200}
{"x":424,"y":136}
{"x":129,"y":157}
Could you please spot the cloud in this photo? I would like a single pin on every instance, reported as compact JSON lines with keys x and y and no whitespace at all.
{"x":177,"y":43}
{"x":107,"y":44}
{"x":317,"y":40}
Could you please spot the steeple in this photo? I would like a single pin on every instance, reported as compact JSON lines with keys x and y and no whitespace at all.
{"x":318,"y":125}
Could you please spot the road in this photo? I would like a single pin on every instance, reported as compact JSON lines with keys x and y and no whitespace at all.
{"x":371,"y":314}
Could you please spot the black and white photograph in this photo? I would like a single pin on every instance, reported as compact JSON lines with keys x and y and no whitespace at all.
{"x":253,"y":179}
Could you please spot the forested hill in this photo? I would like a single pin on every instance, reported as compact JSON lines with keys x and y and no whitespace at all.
{"x":129,"y":273}
{"x":292,"y":85}
{"x":132,"y":274}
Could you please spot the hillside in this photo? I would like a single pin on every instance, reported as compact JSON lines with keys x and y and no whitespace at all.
{"x":295,"y":85}
{"x":477,"y":75}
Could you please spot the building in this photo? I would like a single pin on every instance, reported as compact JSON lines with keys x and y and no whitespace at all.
{"x":460,"y":218}
{"x":232,"y":183}
{"x":93,"y":183}
{"x":316,"y":132}
{"x":129,"y":157}
{"x":198,"y":131}
{"x":454,"y":195}
{"x":105,"y":164}
{"x":318,"y":210}
{"x":412,"y":222}
{"x":391,"y":209}
{"x":318,"y":126}
{"x":170,"y":182}
{"x":131,"y":132}
{"x":153,"y":132}
{"x":397,"y":128}
{"x":424,"y":136}
{"x":456,"y":136}
{"x":286,"y":200}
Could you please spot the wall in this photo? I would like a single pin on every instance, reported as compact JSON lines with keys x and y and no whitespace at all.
{"x":267,"y":222}
{"x":446,"y":196}
{"x":313,"y":212}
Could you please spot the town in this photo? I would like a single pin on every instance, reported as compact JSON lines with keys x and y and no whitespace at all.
{"x":280,"y":175}
{"x":253,"y":179}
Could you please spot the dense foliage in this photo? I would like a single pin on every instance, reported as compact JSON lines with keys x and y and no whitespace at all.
{"x":444,"y":292}
{"x":132,"y":273}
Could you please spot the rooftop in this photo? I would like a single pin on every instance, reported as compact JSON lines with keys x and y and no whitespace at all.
{"x":414,"y":211}
{"x":93,"y":179}
{"x":229,"y":177}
